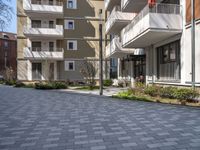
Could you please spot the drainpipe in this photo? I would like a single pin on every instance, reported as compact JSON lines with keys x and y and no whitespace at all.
{"x":193,"y":41}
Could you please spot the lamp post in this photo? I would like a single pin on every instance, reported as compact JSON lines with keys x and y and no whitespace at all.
{"x":100,"y":53}
{"x":193,"y":41}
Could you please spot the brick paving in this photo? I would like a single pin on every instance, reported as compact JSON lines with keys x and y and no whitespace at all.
{"x":50,"y":120}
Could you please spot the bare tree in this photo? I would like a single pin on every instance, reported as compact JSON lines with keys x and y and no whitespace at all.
{"x":89,"y":69}
{"x":6,"y":12}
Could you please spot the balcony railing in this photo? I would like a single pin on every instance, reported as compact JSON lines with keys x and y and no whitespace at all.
{"x":133,"y":5}
{"x":54,"y":8}
{"x":159,"y":16}
{"x":38,"y":53}
{"x":109,"y":4}
{"x":114,"y":49}
{"x":44,"y":30}
{"x":117,"y":20}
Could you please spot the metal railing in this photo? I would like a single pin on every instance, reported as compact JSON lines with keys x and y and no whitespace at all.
{"x":159,"y":8}
{"x":112,"y":17}
{"x":57,"y":3}
{"x":43,"y":26}
{"x":50,"y":49}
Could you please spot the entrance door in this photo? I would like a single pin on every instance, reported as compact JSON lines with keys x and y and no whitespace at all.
{"x":51,"y":71}
{"x":36,"y":71}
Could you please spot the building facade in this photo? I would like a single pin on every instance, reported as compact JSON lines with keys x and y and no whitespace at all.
{"x":56,"y":36}
{"x":158,"y":37}
{"x":8,"y":52}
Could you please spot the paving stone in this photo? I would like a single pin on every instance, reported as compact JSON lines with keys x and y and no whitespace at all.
{"x":33,"y":119}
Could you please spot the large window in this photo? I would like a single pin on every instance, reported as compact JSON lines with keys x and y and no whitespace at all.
{"x":169,"y":61}
{"x":36,"y":71}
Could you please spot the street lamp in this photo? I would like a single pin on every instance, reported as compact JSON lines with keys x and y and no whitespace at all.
{"x":100,"y":53}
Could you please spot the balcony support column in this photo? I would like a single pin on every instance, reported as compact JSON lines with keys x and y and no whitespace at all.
{"x":132,"y":75}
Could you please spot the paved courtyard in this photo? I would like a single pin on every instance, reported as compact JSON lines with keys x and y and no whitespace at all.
{"x":37,"y":120}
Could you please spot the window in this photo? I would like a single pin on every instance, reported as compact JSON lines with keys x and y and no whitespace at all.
{"x":51,"y":24}
{"x":36,"y":23}
{"x":51,"y":46}
{"x":71,"y":45}
{"x":69,"y":66}
{"x":5,"y":44}
{"x":50,"y":2}
{"x":36,"y":46}
{"x":168,"y":62}
{"x":168,"y":52}
{"x":36,"y":71}
{"x":69,"y":24}
{"x":71,"y":4}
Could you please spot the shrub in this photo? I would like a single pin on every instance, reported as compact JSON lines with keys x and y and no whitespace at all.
{"x":10,"y":82}
{"x":59,"y":85}
{"x":125,"y":94}
{"x":151,"y":90}
{"x":19,"y":84}
{"x":167,"y":92}
{"x":107,"y":82}
{"x":185,"y":94}
{"x":50,"y":85}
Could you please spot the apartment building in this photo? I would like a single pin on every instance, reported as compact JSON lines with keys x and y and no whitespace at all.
{"x":159,"y":35}
{"x":56,"y":36}
{"x":8,"y":52}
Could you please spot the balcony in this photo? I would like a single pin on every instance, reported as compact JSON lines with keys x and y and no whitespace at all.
{"x":109,"y":4}
{"x":117,"y":21}
{"x":133,"y":5}
{"x":115,"y":50}
{"x":38,"y":54}
{"x":152,"y":25}
{"x":44,"y":9}
{"x":44,"y":32}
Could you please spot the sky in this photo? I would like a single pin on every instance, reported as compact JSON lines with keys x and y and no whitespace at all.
{"x":13,"y":26}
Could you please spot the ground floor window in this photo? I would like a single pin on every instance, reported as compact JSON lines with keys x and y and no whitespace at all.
{"x":140,"y":68}
{"x":36,"y":71}
{"x":113,"y":68}
{"x":168,"y":63}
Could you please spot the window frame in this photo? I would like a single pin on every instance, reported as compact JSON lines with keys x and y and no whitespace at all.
{"x":74,"y":4}
{"x":67,"y":67}
{"x":74,"y":45}
{"x":67,"y":24}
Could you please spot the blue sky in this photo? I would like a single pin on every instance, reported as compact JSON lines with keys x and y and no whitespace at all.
{"x":13,"y":26}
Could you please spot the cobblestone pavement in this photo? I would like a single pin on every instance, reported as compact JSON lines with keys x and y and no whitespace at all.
{"x":37,"y":120}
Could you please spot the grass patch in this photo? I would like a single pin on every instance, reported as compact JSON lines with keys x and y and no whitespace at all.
{"x":164,"y":95}
{"x":87,"y":88}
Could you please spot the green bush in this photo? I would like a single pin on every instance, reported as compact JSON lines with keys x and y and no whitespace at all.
{"x":19,"y":84}
{"x":185,"y":94}
{"x":10,"y":82}
{"x":167,"y":92}
{"x":50,"y":85}
{"x":125,"y":94}
{"x":2,"y":82}
{"x":151,"y":90}
{"x":22,"y":85}
{"x":107,"y":82}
